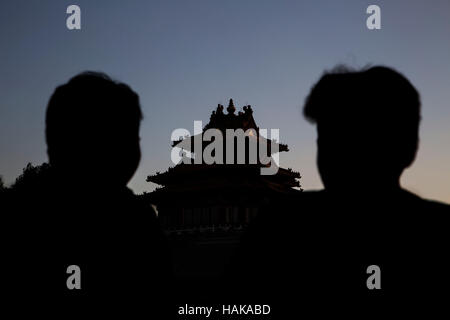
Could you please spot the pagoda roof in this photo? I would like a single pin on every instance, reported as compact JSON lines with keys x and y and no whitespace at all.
{"x":190,"y":176}
{"x":219,"y":120}
{"x":182,"y":172}
{"x":220,"y":188}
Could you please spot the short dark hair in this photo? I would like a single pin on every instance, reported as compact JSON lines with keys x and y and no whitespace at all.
{"x":377,"y":105}
{"x":379,"y":93}
{"x":89,"y":105}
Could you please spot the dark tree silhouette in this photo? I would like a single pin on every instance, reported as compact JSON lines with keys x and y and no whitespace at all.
{"x":32,"y":177}
{"x":2,"y":184}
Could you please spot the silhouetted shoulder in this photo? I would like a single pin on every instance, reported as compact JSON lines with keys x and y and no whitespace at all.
{"x":434,"y":206}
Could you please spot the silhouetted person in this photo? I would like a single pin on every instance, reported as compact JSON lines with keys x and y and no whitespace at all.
{"x":312,"y":253}
{"x":83,"y":214}
{"x":368,"y":129}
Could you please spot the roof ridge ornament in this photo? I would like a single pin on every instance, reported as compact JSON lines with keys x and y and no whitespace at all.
{"x":231,"y":109}
{"x":248,"y":109}
{"x":219,"y":109}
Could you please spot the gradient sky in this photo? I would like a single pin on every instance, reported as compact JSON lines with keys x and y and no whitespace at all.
{"x":185,"y":57}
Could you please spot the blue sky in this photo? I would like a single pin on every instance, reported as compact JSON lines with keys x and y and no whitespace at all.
{"x":185,"y":57}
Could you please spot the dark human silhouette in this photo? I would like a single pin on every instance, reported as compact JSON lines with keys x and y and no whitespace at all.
{"x":311,"y":253}
{"x":81,"y":213}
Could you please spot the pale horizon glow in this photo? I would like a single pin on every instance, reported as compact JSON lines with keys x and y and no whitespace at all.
{"x":185,"y":57}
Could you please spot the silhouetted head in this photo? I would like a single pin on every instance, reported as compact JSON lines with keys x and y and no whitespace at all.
{"x":92,"y":130}
{"x":367,"y":125}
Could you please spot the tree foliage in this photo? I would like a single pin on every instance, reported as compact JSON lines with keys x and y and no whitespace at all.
{"x":31,"y":177}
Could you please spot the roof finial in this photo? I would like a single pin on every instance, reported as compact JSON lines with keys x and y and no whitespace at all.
{"x":231,"y":108}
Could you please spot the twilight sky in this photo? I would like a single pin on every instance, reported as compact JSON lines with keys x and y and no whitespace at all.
{"x":185,"y":57}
